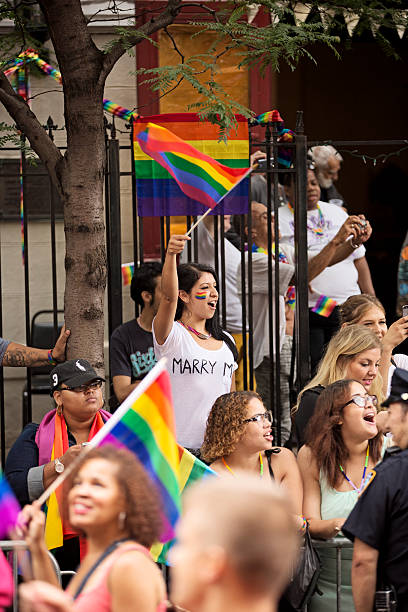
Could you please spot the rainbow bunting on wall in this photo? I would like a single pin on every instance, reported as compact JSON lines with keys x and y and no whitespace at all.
{"x":9,"y":507}
{"x":128,"y":270}
{"x":144,"y":424}
{"x":324,"y":306}
{"x":206,"y":168}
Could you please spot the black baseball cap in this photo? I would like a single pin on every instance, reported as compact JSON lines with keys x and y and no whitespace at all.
{"x":73,"y":373}
{"x":399,"y":387}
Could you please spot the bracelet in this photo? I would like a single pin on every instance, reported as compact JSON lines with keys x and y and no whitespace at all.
{"x":304,"y":525}
{"x":354,"y":246}
{"x":51,"y":359}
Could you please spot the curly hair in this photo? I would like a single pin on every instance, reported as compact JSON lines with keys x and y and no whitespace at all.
{"x":355,"y":307}
{"x":324,"y":436}
{"x":142,"y":505}
{"x":225,"y":424}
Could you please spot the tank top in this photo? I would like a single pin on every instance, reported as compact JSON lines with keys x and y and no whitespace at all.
{"x":99,"y":597}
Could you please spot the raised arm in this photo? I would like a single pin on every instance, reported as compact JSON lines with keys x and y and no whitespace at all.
{"x":312,"y":498}
{"x":163,"y":321}
{"x":396,"y":334}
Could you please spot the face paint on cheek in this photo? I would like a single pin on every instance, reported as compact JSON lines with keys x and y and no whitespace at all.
{"x":200,"y":295}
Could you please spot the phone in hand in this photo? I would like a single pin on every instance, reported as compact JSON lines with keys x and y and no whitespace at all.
{"x":405,"y":310}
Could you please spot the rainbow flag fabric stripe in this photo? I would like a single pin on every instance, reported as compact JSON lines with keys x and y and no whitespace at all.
{"x":191,"y":470}
{"x":144,"y":424}
{"x":128,"y":270}
{"x":190,"y":152}
{"x":324,"y":306}
{"x":9,"y":507}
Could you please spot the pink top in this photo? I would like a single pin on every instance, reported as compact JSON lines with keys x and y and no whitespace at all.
{"x":99,"y":597}
{"x":6,"y":583}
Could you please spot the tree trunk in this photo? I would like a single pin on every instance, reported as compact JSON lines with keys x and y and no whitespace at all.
{"x":82,"y":180}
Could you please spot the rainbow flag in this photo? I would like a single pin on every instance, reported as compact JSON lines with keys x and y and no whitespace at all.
{"x":9,"y":507}
{"x":324,"y":306}
{"x":191,"y":470}
{"x":127,"y":273}
{"x":206,"y":168}
{"x":144,"y":424}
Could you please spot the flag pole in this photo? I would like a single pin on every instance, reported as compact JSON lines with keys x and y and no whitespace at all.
{"x":207,"y":212}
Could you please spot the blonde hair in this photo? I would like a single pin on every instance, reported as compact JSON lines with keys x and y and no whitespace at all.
{"x":342,"y":348}
{"x":355,"y":307}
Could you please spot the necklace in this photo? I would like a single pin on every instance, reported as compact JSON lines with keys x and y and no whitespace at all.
{"x":282,"y":256}
{"x":360,"y":488}
{"x":260,"y":462}
{"x":320,"y":224}
{"x":194,"y":331}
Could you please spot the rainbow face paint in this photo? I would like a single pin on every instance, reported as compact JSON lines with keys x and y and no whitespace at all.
{"x":200,"y":295}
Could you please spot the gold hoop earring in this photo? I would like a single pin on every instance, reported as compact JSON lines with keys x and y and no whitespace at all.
{"x":121,"y":520}
{"x":59,"y":409}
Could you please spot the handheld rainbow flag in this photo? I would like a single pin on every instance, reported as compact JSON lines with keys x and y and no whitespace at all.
{"x":144,"y":424}
{"x":9,"y":507}
{"x":191,"y":470}
{"x":159,"y":194}
{"x":324,"y":306}
{"x":198,"y":175}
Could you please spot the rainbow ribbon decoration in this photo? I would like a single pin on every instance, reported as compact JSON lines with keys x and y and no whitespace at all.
{"x":31,"y":55}
{"x":128,"y":270}
{"x":9,"y":507}
{"x":285,"y":154}
{"x":324,"y":306}
{"x":198,"y":175}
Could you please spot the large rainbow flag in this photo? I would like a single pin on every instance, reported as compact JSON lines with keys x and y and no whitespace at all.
{"x":9,"y":507}
{"x":158,"y":194}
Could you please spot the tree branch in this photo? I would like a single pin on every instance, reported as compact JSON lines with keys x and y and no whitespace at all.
{"x":166,"y":18}
{"x":28,"y":123}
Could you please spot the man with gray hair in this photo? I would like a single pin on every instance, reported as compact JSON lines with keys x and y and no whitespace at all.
{"x":327,"y":161}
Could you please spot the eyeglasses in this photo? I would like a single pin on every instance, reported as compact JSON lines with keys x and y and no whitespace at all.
{"x":97,"y":384}
{"x":363,"y":400}
{"x":261,"y":417}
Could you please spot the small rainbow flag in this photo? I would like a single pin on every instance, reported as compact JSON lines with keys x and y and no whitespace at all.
{"x":201,"y":295}
{"x":324,"y":306}
{"x":9,"y":507}
{"x":144,"y":424}
{"x":127,"y":272}
{"x":191,"y":469}
{"x":198,"y":175}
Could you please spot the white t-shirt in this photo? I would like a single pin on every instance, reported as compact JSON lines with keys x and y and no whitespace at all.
{"x":340,"y":280}
{"x":260,"y":298}
{"x":401,"y":361}
{"x":198,"y":376}
{"x":232,"y":260}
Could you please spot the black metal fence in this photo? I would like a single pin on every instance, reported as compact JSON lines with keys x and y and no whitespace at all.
{"x":119,"y":156}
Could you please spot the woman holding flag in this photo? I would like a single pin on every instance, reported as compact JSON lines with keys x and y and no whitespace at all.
{"x":201,"y":357}
{"x":111,"y":500}
{"x":42,"y":452}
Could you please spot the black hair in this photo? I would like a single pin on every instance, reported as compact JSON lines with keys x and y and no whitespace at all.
{"x":144,"y":279}
{"x":188,"y":274}
{"x":288,"y":179}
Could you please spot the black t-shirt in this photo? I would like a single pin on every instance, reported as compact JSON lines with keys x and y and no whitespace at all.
{"x":305,"y":412}
{"x":380,"y":520}
{"x":131,"y":351}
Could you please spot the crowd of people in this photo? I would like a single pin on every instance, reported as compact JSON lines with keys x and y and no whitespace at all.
{"x":239,"y":534}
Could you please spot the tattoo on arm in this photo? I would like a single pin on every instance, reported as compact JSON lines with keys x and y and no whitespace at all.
{"x":23,"y":357}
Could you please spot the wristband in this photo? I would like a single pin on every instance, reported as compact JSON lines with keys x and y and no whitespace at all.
{"x":354,"y":246}
{"x":51,"y":359}
{"x":304,"y":525}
